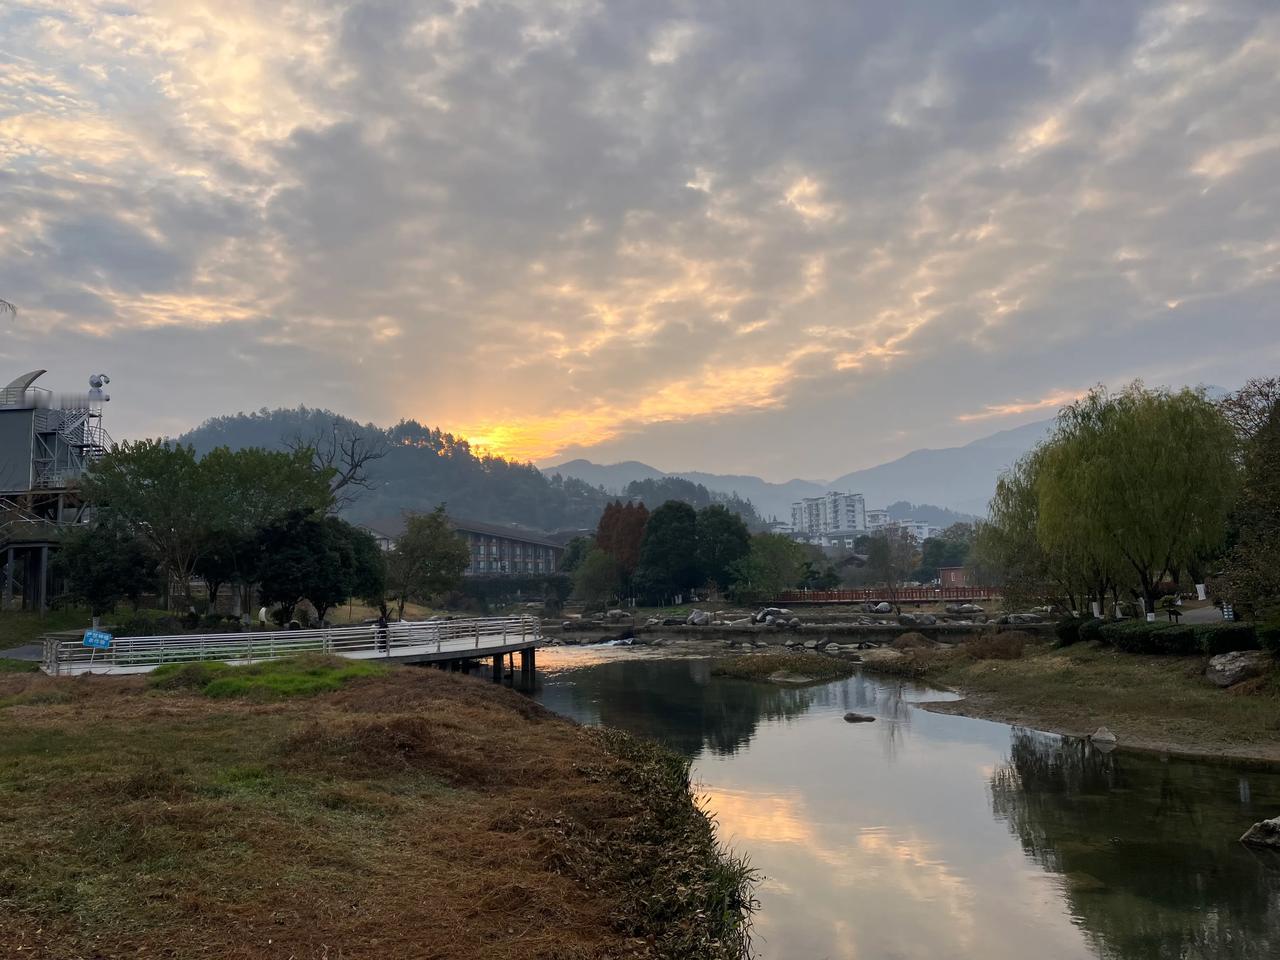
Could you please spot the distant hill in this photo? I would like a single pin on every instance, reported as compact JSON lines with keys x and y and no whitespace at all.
{"x":958,"y":478}
{"x":952,"y":481}
{"x":424,"y":467}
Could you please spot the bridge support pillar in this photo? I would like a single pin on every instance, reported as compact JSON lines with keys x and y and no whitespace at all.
{"x":497,"y":668}
{"x":10,"y":572}
{"x":42,"y":586}
{"x":526,"y":665}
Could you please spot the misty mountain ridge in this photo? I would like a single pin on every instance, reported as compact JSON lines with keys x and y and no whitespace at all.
{"x":955,"y":481}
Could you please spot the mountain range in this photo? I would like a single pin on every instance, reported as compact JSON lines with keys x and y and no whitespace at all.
{"x":959,"y":479}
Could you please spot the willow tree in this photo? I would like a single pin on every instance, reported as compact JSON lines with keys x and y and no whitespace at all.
{"x":1252,"y":565}
{"x":1138,"y":483}
{"x":1008,"y":551}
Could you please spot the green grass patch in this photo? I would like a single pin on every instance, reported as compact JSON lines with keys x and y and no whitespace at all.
{"x":762,"y":666}
{"x":270,"y":680}
{"x":1156,"y":698}
{"x":18,"y":666}
{"x":19,"y":627}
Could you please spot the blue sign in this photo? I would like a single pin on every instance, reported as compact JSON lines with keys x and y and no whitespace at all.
{"x":98,"y":639}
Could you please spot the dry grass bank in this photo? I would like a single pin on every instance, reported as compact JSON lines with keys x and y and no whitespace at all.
{"x":1153,"y":702}
{"x":411,"y":814}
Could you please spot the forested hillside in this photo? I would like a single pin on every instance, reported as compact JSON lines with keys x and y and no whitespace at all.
{"x":424,"y":466}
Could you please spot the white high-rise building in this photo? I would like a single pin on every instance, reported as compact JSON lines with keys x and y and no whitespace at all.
{"x":831,"y":519}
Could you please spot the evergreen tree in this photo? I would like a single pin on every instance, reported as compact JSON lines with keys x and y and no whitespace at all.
{"x":723,"y":540}
{"x":668,"y":553}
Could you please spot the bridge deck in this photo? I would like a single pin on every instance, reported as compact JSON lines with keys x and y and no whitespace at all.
{"x":417,"y":642}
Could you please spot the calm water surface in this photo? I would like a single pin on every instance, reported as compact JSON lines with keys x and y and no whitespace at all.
{"x":929,"y":836}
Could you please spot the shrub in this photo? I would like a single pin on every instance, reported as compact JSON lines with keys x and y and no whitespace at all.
{"x":1152,"y":638}
{"x":1215,"y":638}
{"x":1091,"y":629}
{"x":997,"y":646}
{"x":1269,"y":636}
{"x":1067,"y":631}
{"x":912,"y":641}
{"x":186,"y":676}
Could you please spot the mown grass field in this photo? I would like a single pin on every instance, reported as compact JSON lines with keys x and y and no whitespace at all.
{"x":316,"y":811}
{"x":1159,"y":702}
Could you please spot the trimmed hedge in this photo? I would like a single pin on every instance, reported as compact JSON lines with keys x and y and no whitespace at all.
{"x":1269,"y":636}
{"x":1091,"y":629}
{"x":1178,"y":639}
{"x":1067,"y":631}
{"x":1224,"y":637}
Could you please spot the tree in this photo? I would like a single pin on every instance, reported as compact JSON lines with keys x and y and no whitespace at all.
{"x":428,"y":559}
{"x":575,"y":552}
{"x":890,"y":555}
{"x":597,"y":579}
{"x":158,"y":491}
{"x":723,"y":540}
{"x":248,"y":489}
{"x":949,"y":549}
{"x":775,"y":563}
{"x":1141,"y":480}
{"x":296,"y":560}
{"x":1252,"y":565}
{"x":368,"y":567}
{"x":105,"y":562}
{"x":620,"y":533}
{"x":9,"y":308}
{"x":668,"y":553}
{"x":343,"y":454}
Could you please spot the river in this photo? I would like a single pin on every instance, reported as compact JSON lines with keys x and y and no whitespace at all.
{"x":925,"y":835}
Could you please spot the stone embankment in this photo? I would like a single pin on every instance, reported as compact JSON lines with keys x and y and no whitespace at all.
{"x":876,"y":626}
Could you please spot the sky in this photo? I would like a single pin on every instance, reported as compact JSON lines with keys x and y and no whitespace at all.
{"x":786,"y":239}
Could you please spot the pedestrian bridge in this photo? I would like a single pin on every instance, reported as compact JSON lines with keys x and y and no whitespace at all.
{"x":422,"y":641}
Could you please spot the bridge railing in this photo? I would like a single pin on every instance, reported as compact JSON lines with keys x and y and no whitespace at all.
{"x":67,"y":655}
{"x":902,"y":594}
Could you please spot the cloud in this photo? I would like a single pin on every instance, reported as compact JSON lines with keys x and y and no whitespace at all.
{"x":662,"y":230}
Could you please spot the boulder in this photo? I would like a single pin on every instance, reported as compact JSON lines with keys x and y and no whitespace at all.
{"x":1103,"y":737}
{"x":616,"y":614}
{"x":793,"y":622}
{"x":882,"y":607}
{"x":917,"y":619}
{"x":810,"y":644}
{"x":744,"y":622}
{"x":1011,"y":618}
{"x":858,"y":718}
{"x":1264,"y":833}
{"x":1228,"y":669}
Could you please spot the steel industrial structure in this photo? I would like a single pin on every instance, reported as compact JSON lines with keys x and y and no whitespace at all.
{"x":47,"y":442}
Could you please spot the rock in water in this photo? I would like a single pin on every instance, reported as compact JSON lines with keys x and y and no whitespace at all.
{"x":1103,"y":737}
{"x":1228,"y":669}
{"x":1264,"y":833}
{"x":858,"y":718}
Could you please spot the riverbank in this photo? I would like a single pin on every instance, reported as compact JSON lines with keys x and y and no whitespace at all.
{"x":1155,"y":703}
{"x":408,"y":813}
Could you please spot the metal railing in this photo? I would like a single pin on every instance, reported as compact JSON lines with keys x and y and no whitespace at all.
{"x":902,"y":594}
{"x":67,"y":655}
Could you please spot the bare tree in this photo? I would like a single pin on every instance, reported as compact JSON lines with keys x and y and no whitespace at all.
{"x":346,"y":453}
{"x":7,"y":307}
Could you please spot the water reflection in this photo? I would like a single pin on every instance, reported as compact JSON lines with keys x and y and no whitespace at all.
{"x":1145,"y":847}
{"x":879,"y":840}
